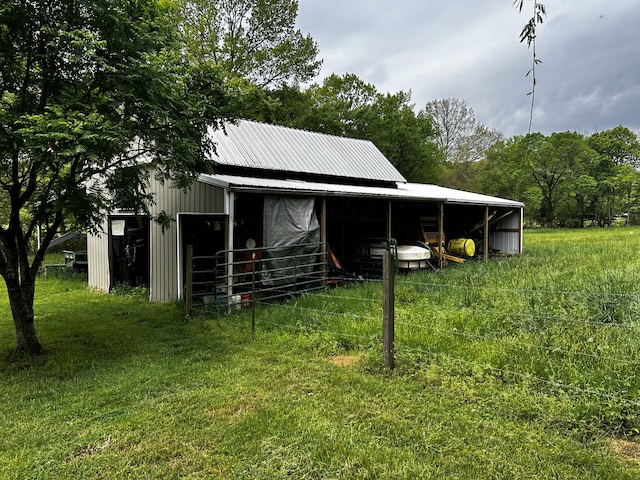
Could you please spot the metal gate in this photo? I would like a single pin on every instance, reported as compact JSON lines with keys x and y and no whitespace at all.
{"x":233,"y":279}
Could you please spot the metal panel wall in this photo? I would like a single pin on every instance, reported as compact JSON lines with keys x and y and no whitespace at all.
{"x":201,"y":198}
{"x":163,"y":249}
{"x":98,"y":259}
{"x":508,"y":235}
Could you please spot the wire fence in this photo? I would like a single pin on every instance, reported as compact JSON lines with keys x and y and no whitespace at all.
{"x":559,"y":341}
{"x":571,"y":352}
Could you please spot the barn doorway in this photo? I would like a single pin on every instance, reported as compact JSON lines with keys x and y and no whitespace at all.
{"x":207,"y":233}
{"x":129,"y":251}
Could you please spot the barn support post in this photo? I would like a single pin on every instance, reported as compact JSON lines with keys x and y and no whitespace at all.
{"x":485,"y":252}
{"x":324,"y":248}
{"x":388,"y":319}
{"x":520,"y":225}
{"x":110,"y":262}
{"x":188,"y":301}
{"x":389,"y":220}
{"x":230,"y":246}
{"x":253,"y":294}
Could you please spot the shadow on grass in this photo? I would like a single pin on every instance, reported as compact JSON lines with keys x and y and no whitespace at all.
{"x":80,"y":329}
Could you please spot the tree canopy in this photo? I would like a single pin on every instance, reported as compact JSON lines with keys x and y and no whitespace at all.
{"x":461,"y":139}
{"x":88,"y":88}
{"x":253,"y":39}
{"x":567,"y":178}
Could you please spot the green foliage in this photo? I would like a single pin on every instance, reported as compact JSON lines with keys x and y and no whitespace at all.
{"x":92,"y":89}
{"x":572,"y":179}
{"x":620,"y":145}
{"x":250,"y":39}
{"x":462,"y":142}
{"x":62,"y":272}
{"x":125,"y":290}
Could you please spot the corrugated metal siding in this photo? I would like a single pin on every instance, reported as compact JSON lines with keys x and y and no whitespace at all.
{"x":508,"y":237}
{"x":98,"y":259}
{"x":163,"y":249}
{"x":270,"y":147}
{"x":163,"y":261}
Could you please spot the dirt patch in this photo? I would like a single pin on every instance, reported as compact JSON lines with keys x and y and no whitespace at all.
{"x":626,"y":449}
{"x":343,"y":360}
{"x":90,"y":450}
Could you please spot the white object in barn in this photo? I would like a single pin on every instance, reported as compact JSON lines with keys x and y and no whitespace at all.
{"x":412,"y":256}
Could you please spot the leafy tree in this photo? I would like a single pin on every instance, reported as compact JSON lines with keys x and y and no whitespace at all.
{"x":504,"y":173}
{"x":566,"y":178}
{"x":462,"y":140}
{"x":405,"y":139}
{"x":616,"y":148}
{"x":291,"y":105}
{"x":340,"y":106}
{"x":252,"y":39}
{"x":89,"y":88}
{"x":619,"y":145}
{"x":474,"y":146}
{"x":555,"y":161}
{"x":454,"y":121}
{"x":584,"y":191}
{"x":626,"y":181}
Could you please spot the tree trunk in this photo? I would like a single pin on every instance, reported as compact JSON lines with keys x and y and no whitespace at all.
{"x":21,"y":301}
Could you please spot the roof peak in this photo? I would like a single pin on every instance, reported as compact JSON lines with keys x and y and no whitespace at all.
{"x":252,"y":145}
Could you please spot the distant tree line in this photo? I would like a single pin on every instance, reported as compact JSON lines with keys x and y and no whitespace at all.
{"x":567,"y":179}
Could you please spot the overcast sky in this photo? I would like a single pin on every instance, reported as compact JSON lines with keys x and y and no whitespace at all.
{"x":469,"y":49}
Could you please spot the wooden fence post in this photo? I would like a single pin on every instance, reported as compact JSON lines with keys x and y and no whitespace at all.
{"x":188,"y":301}
{"x":388,"y":320}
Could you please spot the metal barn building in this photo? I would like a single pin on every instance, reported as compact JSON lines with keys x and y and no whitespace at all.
{"x":344,"y":187}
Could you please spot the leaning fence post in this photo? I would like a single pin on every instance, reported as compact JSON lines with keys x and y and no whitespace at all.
{"x":189,"y":274}
{"x":388,"y":319}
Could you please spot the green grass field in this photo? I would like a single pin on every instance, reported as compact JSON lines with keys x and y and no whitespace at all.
{"x":522,"y":367}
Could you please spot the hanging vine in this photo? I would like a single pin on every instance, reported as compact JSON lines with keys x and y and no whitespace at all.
{"x":528,"y":35}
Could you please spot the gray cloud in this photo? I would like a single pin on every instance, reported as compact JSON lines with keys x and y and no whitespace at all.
{"x":589,"y":79}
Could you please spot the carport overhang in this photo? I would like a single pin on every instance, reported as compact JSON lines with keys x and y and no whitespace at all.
{"x":396,"y":191}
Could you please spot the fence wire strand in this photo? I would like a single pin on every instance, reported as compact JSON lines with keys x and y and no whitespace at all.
{"x":519,"y":290}
{"x":328,"y":299}
{"x":525,"y":315}
{"x":520,"y":344}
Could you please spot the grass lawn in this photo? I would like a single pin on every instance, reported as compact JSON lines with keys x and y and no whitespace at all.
{"x":128,"y":389}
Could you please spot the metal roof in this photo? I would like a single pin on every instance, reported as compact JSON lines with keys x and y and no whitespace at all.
{"x":402,"y":191}
{"x":261,"y":146}
{"x":456,"y":196}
